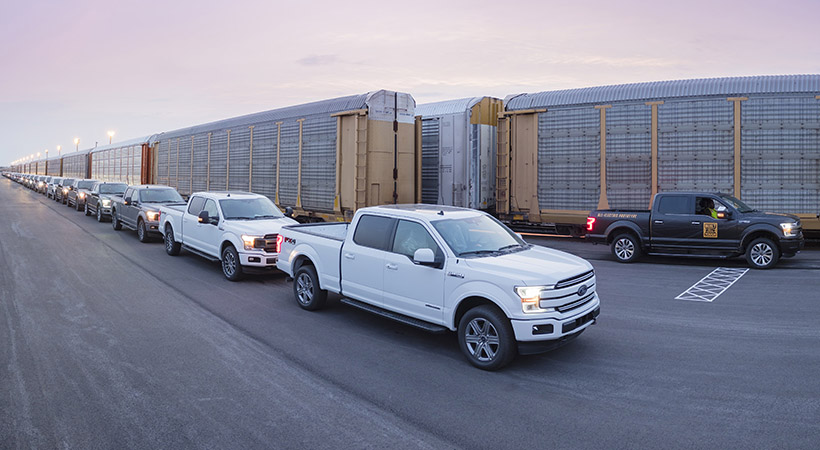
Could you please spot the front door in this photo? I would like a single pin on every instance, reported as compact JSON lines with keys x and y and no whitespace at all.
{"x":714,"y":234}
{"x":412,"y":289}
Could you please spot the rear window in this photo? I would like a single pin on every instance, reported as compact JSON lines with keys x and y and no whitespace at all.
{"x":675,"y":204}
{"x":374,"y":232}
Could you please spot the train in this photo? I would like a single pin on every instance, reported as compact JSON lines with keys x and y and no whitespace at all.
{"x":538,"y":161}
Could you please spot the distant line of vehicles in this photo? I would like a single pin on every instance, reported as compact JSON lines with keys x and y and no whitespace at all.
{"x":434,"y":267}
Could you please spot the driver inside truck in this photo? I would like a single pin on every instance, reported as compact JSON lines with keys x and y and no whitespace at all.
{"x":706,"y":207}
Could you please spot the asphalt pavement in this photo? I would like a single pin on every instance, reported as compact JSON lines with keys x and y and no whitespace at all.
{"x":106,"y":342}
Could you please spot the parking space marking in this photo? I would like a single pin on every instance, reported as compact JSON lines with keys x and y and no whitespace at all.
{"x":711,"y":286}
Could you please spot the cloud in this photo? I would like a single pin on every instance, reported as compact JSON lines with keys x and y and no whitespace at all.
{"x":318,"y":60}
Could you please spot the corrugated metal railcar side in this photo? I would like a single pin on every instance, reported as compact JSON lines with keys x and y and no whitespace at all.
{"x":757,"y":138}
{"x":455,"y":151}
{"x":75,"y":165}
{"x":324,"y":159}
{"x":122,"y":162}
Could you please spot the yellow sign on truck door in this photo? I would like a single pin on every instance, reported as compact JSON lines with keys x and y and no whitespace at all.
{"x":710,"y":229}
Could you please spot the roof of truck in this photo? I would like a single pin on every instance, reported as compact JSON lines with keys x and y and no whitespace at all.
{"x":228,"y":194}
{"x":429,"y":212}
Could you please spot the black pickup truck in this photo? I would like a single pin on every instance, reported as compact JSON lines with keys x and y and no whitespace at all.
{"x":697,"y":224}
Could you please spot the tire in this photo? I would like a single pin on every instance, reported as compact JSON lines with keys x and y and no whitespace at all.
{"x":486,"y":338}
{"x":99,"y":214}
{"x":171,"y":246}
{"x":626,"y":248}
{"x":115,"y":220}
{"x":77,"y":206}
{"x":762,"y":253}
{"x":142,"y":233}
{"x":231,"y":267}
{"x":87,"y":212}
{"x":306,"y":289}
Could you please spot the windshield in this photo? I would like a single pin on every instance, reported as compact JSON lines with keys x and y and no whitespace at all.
{"x":160,"y":196}
{"x":67,"y":181}
{"x":249,"y":209}
{"x":113,"y":188}
{"x":85,"y":184}
{"x":56,"y":180}
{"x":479,"y":235}
{"x":737,"y":204}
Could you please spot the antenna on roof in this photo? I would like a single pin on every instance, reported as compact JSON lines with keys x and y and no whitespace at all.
{"x":441,"y":213}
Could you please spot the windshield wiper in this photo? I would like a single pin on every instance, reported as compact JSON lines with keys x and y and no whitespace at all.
{"x":511,"y":246}
{"x":479,"y":252}
{"x":266,"y":216}
{"x":239,"y":218}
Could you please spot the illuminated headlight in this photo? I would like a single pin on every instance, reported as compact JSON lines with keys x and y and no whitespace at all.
{"x":250,"y":242}
{"x":152,"y":216}
{"x":65,"y":190}
{"x":82,"y":195}
{"x":789,"y":229}
{"x":530,"y":295}
{"x":106,"y":202}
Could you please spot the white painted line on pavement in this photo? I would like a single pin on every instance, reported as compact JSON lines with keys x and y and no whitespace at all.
{"x":711,"y":286}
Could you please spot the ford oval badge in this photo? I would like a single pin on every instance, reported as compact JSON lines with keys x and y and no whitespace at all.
{"x":582,"y":290}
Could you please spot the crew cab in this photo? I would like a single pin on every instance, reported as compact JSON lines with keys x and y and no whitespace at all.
{"x":697,"y":224}
{"x":239,"y":229}
{"x":80,"y":190}
{"x":445,"y":268}
{"x":138,"y":208}
{"x":100,"y":199}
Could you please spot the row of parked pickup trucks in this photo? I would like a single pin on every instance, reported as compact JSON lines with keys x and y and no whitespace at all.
{"x":438,"y":268}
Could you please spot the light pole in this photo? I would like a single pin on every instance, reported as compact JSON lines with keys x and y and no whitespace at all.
{"x":110,"y":137}
{"x":59,"y":147}
{"x":76,"y":144}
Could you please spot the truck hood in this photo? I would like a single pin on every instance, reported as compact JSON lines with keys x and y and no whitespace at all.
{"x":536,"y":266}
{"x":260,"y":227}
{"x":773,"y":217}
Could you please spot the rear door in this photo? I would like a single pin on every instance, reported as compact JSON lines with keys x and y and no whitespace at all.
{"x":671,"y":223}
{"x":363,"y":258}
{"x":189,"y":234}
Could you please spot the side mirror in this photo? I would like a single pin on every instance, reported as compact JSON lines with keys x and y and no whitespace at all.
{"x":126,"y":201}
{"x":289,"y":212}
{"x":425,"y":257}
{"x":204,"y":217}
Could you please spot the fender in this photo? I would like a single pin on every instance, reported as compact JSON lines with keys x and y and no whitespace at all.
{"x":769,"y":228}
{"x":326,"y":270}
{"x":477,"y":288}
{"x":625,"y":224}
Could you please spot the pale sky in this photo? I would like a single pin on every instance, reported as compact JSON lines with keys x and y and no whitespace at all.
{"x":81,"y":68}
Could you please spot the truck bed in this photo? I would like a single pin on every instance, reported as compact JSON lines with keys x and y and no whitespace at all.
{"x":336,"y":231}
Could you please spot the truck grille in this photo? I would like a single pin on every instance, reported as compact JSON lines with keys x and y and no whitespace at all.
{"x":270,"y":243}
{"x":575,"y":280}
{"x":576,"y":304}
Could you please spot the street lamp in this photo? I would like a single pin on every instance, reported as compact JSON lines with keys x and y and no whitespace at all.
{"x":76,"y":144}
{"x":59,"y":147}
{"x":110,"y":136}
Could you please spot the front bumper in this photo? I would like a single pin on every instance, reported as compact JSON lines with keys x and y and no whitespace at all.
{"x":151,"y":227}
{"x":792,"y":246}
{"x":258,"y":259}
{"x":553,"y":328}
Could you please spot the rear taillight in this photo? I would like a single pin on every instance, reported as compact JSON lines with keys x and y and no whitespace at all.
{"x":590,"y":223}
{"x":279,"y":240}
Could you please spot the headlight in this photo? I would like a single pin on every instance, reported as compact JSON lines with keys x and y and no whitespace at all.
{"x":530,"y":295}
{"x":789,"y":229}
{"x":152,"y":216}
{"x":82,"y":195}
{"x":106,"y":202}
{"x":65,"y":190}
{"x":252,"y":242}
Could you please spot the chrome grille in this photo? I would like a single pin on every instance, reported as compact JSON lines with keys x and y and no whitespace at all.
{"x":575,"y":304}
{"x":575,"y":280}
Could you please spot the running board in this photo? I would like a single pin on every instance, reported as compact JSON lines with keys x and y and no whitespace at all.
{"x":693,"y":255}
{"x":426,"y":326}
{"x":197,"y":252}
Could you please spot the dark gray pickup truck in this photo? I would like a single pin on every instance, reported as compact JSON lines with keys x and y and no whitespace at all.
{"x":697,"y":224}
{"x":138,"y":208}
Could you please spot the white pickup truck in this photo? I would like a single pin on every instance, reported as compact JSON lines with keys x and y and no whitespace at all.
{"x":239,"y":229}
{"x":445,"y":268}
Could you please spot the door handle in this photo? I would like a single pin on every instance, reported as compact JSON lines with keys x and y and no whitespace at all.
{"x":392,"y":266}
{"x":695,"y":223}
{"x":659,"y":222}
{"x":350,"y":256}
